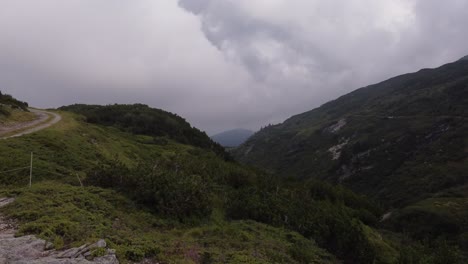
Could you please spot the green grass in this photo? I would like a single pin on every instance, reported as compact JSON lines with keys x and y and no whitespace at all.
{"x":58,"y":210}
{"x":183,"y":192}
{"x":435,"y":218}
{"x":17,"y":115}
{"x":70,"y":216}
{"x":388,"y":253}
{"x":73,"y":146}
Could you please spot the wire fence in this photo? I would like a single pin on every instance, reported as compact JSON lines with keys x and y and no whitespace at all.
{"x":30,"y":174}
{"x":10,"y":176}
{"x":13,"y":170}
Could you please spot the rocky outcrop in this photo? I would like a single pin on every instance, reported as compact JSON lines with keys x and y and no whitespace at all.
{"x":32,"y":250}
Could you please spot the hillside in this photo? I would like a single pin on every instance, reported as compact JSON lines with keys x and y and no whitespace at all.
{"x":397,"y":141}
{"x":142,"y":120}
{"x":9,"y":102}
{"x":400,"y":142}
{"x":232,"y":138}
{"x":154,"y":198}
{"x":12,"y":109}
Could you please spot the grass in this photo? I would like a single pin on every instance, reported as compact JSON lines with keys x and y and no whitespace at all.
{"x":388,"y":254}
{"x":70,"y":216}
{"x":60,"y":211}
{"x":72,"y":146}
{"x":25,"y":118}
{"x":17,"y":115}
{"x":436,"y":217}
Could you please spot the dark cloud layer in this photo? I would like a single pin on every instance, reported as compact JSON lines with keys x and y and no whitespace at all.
{"x":220,"y":63}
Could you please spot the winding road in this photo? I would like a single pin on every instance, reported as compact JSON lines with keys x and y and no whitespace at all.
{"x":42,"y":121}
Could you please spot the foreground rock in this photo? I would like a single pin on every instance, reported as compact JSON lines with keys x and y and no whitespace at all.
{"x":29,"y":249}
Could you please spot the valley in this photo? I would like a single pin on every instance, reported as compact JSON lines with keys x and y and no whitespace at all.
{"x":376,"y":176}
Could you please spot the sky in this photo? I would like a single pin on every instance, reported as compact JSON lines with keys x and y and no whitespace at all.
{"x":221,"y":64}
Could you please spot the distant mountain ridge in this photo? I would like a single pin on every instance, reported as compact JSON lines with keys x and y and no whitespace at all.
{"x":232,"y":138}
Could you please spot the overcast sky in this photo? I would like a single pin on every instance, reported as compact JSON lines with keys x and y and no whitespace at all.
{"x":221,"y":64}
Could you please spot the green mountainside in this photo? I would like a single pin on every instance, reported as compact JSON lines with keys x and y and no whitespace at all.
{"x":161,"y":191}
{"x":397,"y":141}
{"x":402,"y":142}
{"x":153,"y":198}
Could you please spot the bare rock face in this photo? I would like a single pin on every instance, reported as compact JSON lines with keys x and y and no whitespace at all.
{"x":32,"y":250}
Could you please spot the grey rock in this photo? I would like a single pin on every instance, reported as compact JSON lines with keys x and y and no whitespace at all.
{"x":101,"y":243}
{"x":72,"y":252}
{"x":31,"y":250}
{"x":110,"y":259}
{"x":49,"y":246}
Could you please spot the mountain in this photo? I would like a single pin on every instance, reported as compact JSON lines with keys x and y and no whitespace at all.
{"x":161,"y":191}
{"x":402,"y":142}
{"x":232,"y":138}
{"x":397,"y":141}
{"x":156,"y":199}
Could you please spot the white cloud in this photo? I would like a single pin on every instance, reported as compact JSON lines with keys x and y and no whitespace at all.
{"x":225,"y":63}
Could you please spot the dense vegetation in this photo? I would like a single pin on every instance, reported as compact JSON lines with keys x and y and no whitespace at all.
{"x":397,"y":141}
{"x":140,"y":119}
{"x":7,"y":101}
{"x":172,"y":186}
{"x":402,"y":142}
{"x":158,"y":189}
{"x":71,"y":216}
{"x":186,"y":190}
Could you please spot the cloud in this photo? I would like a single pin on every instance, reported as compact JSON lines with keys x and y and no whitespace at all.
{"x":309,"y":51}
{"x":220,"y":63}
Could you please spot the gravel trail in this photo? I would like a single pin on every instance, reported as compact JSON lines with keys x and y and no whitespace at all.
{"x":31,"y":126}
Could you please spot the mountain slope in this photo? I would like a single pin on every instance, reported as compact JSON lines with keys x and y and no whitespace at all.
{"x":143,"y":120}
{"x":397,"y":141}
{"x":232,"y":138}
{"x":157,"y":199}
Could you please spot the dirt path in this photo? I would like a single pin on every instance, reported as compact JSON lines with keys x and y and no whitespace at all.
{"x":29,"y":249}
{"x":25,"y":128}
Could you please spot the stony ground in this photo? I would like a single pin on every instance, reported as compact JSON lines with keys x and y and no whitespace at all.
{"x":29,"y":249}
